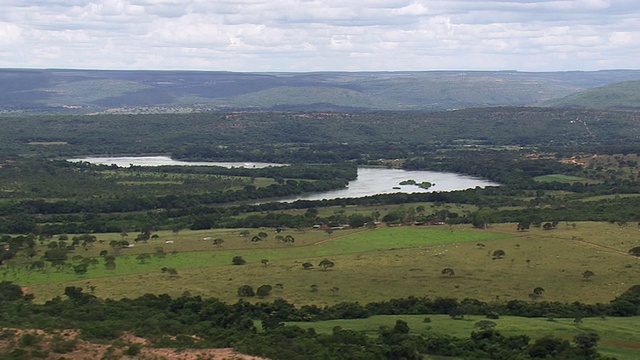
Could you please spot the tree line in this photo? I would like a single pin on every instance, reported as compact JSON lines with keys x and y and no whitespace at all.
{"x":193,"y":322}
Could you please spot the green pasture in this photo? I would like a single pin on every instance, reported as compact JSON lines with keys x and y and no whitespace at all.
{"x":370,"y":265}
{"x":561,"y":178}
{"x":619,"y":337}
{"x":609,"y":197}
{"x":384,"y":209}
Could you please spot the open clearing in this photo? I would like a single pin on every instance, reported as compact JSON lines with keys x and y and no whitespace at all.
{"x":370,"y":265}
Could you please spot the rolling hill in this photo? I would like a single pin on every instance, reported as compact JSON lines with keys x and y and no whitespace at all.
{"x":59,"y":91}
{"x":624,"y":95}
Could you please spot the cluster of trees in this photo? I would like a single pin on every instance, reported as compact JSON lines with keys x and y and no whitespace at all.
{"x":190,"y":321}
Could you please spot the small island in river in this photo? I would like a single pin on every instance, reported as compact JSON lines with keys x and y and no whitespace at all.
{"x":424,"y":184}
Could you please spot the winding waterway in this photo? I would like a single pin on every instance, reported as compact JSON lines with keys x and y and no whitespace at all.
{"x":371,"y":181}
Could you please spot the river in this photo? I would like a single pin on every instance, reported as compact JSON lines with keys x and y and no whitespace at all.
{"x":371,"y":181}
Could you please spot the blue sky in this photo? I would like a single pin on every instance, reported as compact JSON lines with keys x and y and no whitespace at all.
{"x":309,"y":35}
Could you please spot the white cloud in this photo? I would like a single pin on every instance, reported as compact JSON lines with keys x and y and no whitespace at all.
{"x":9,"y":33}
{"x":310,"y":35}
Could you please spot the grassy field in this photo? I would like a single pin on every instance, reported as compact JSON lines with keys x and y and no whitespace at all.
{"x":561,"y":178}
{"x":619,"y":337}
{"x":370,"y":265}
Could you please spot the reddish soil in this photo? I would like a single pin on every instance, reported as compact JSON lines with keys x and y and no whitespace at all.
{"x":86,"y":350}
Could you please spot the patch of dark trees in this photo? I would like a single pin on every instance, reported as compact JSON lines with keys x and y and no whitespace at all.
{"x":193,"y":322}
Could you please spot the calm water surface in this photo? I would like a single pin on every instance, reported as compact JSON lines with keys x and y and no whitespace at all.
{"x":125,"y":161}
{"x":371,"y":181}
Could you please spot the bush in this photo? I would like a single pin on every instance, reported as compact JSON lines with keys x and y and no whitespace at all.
{"x":61,"y":346}
{"x":133,"y":350}
{"x":29,"y":339}
{"x":493,"y":315}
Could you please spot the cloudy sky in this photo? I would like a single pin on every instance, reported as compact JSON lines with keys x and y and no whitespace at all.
{"x":321,"y":35}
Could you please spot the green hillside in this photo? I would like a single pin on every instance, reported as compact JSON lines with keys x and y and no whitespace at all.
{"x":624,"y":95}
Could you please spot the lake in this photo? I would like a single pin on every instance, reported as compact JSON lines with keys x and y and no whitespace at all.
{"x":371,"y":181}
{"x":125,"y":161}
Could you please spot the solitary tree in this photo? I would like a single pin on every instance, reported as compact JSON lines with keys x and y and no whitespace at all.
{"x":536,"y":293}
{"x":218,"y":242}
{"x":110,"y":265}
{"x":587,"y":274}
{"x":264,"y":262}
{"x":523,"y":225}
{"x":307,"y":266}
{"x":264,"y":290}
{"x":485,"y":325}
{"x":498,"y":254}
{"x":170,"y":271}
{"x":635,"y":251}
{"x":238,"y":260}
{"x":448,"y":272}
{"x":326,"y":263}
{"x":246,"y":291}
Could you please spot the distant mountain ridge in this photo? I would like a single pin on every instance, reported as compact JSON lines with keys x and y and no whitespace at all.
{"x":59,"y":91}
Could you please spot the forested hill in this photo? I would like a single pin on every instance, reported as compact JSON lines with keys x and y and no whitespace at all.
{"x":96,"y":91}
{"x":624,"y":95}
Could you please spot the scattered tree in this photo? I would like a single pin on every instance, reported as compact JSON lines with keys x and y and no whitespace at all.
{"x":587,"y":274}
{"x":142,"y":258}
{"x":238,"y":260}
{"x":523,"y":225}
{"x":448,"y":272}
{"x":538,"y":291}
{"x":110,"y":265}
{"x":264,"y":290}
{"x":264,"y":262}
{"x":635,"y":251}
{"x":498,"y":254}
{"x":326,"y":263}
{"x":307,"y":266}
{"x":80,"y":269}
{"x":246,"y":291}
